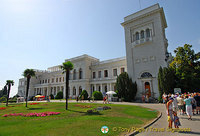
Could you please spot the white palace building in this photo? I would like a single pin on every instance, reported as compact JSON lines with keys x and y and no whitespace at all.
{"x":146,"y":51}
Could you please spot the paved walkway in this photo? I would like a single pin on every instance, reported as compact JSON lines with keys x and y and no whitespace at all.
{"x":162,"y":123}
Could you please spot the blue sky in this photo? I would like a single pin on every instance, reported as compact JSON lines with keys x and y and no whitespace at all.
{"x":42,"y":33}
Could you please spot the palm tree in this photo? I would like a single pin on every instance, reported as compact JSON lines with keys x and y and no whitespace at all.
{"x":28,"y":73}
{"x":9,"y":83}
{"x":66,"y":67}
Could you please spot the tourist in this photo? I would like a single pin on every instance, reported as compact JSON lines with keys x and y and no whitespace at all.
{"x":104,"y":100}
{"x":82,"y":98}
{"x":77,"y":99}
{"x":188,"y":107}
{"x":143,"y":98}
{"x":197,"y":98}
{"x":175,"y":104}
{"x":164,"y":96}
{"x":176,"y":121}
{"x":180,"y":104}
{"x":194,"y":104}
{"x":170,"y":112}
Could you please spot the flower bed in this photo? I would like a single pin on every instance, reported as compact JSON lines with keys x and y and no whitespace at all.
{"x":2,"y":108}
{"x":33,"y":103}
{"x":42,"y":114}
{"x":83,"y":106}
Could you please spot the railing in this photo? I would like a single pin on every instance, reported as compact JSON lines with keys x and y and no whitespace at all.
{"x":141,"y":41}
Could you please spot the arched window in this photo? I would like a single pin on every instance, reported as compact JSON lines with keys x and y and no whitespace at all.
{"x":142,"y":34}
{"x":137,"y":36}
{"x":74,"y":74}
{"x":80,"y":73}
{"x":146,"y":75}
{"x":147,"y":32}
{"x":74,"y":91}
{"x":80,"y":90}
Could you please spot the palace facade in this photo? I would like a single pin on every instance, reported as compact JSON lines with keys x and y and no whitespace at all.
{"x":146,"y":51}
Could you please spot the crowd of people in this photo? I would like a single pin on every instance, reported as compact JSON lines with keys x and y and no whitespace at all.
{"x":187,"y":103}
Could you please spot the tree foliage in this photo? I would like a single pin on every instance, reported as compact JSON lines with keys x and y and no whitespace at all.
{"x":28,"y":73}
{"x":186,"y":65}
{"x":85,"y":94}
{"x":59,"y":95}
{"x":125,"y":87}
{"x":166,"y":80}
{"x":97,"y":95}
{"x":9,"y":83}
{"x":66,"y":67}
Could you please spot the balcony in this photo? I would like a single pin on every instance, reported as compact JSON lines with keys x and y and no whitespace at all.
{"x":142,"y":41}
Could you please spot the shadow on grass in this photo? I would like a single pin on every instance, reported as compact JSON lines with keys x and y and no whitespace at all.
{"x":94,"y":113}
{"x":35,"y":108}
{"x":86,"y":113}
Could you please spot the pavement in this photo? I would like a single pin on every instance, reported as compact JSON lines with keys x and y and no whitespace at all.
{"x":160,"y":127}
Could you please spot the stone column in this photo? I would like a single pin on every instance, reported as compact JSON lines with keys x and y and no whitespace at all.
{"x":101,"y":88}
{"x":110,"y":87}
{"x":95,"y":87}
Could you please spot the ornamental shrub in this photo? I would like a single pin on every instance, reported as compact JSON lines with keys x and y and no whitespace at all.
{"x":51,"y":95}
{"x":59,"y":95}
{"x":3,"y":99}
{"x":85,"y":94}
{"x":97,"y":95}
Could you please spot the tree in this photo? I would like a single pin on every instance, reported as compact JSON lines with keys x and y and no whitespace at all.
{"x":59,"y":95}
{"x":166,"y":81}
{"x":9,"y":83}
{"x":28,"y":73}
{"x":85,"y":94}
{"x":125,"y":87}
{"x":186,"y":65}
{"x":66,"y":67}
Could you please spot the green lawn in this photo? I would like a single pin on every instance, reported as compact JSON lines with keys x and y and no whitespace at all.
{"x":74,"y":122}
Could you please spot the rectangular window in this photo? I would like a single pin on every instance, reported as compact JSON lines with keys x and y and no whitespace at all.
{"x":114,"y":72}
{"x":60,"y":79}
{"x":52,"y":80}
{"x":122,"y":70}
{"x":63,"y":79}
{"x":94,"y":75}
{"x":56,"y":79}
{"x":105,"y":73}
{"x":48,"y":80}
{"x":99,"y":74}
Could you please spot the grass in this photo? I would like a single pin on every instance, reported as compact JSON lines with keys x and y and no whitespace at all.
{"x":74,"y":122}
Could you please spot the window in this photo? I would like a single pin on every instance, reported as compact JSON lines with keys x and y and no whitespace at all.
{"x":147,"y":33}
{"x":48,"y":80}
{"x":56,"y":79}
{"x":114,"y":72}
{"x":74,"y":74}
{"x":60,"y":79}
{"x":105,"y":73}
{"x":63,"y":79}
{"x":45,"y":80}
{"x":94,"y":75}
{"x":99,"y":74}
{"x":80,"y":73}
{"x":137,"y":36}
{"x":52,"y":80}
{"x":122,"y":70}
{"x":146,"y":75}
{"x":80,"y":90}
{"x":142,"y":34}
